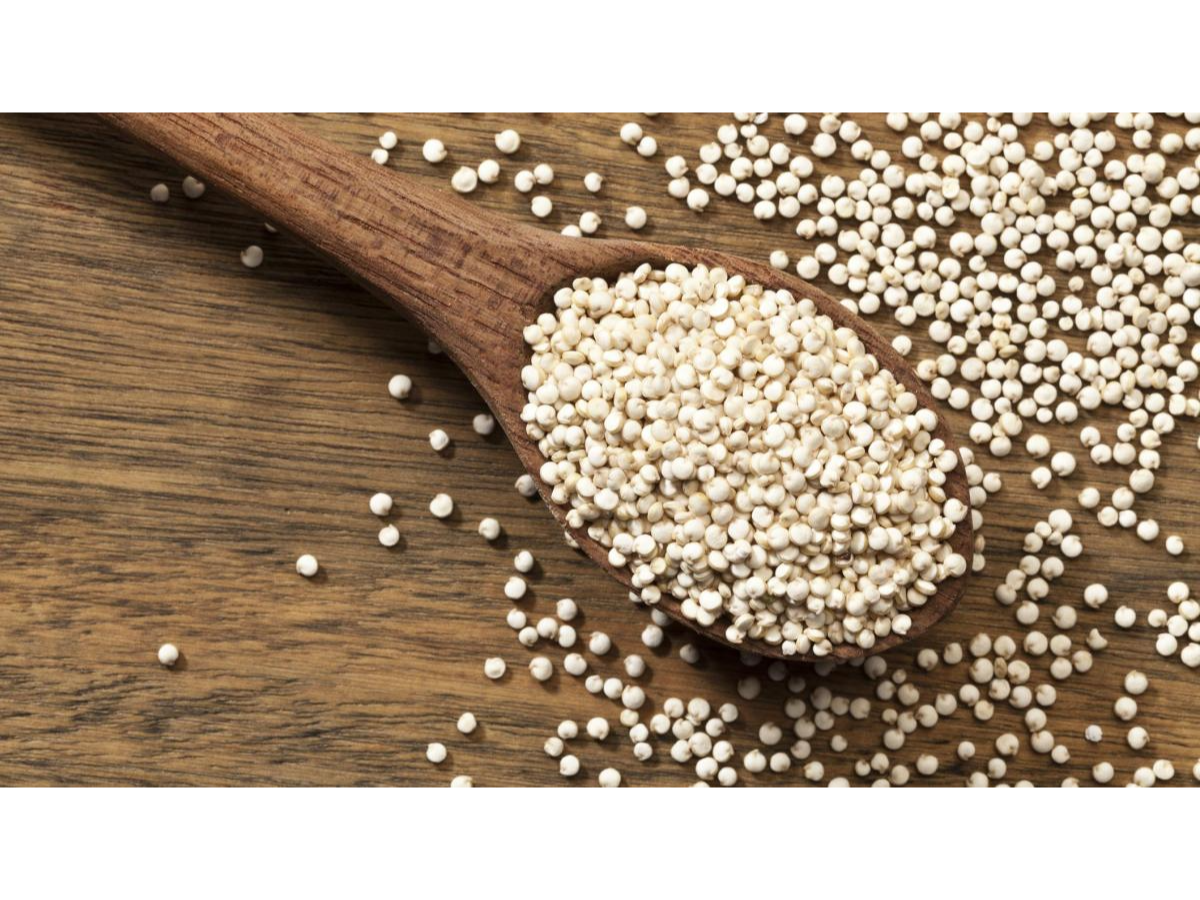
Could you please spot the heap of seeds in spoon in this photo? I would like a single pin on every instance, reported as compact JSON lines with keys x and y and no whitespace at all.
{"x":734,"y":448}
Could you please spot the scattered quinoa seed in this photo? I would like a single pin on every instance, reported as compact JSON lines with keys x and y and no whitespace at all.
{"x":193,"y":188}
{"x":494,"y":668}
{"x":464,"y":180}
{"x":433,"y":150}
{"x":508,"y":141}
{"x":400,"y":386}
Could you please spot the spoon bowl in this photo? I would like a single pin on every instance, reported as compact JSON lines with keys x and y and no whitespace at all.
{"x":473,"y":279}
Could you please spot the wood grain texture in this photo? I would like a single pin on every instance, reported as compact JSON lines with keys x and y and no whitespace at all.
{"x":474,"y":280}
{"x":175,"y":429}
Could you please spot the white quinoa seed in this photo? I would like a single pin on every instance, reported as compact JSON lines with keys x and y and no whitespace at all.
{"x":433,"y":150}
{"x":488,"y":171}
{"x":193,"y":188}
{"x":168,"y":655}
{"x":508,"y":141}
{"x":441,"y":506}
{"x":494,"y":668}
{"x":464,"y":180}
{"x":599,"y":643}
{"x":400,"y":386}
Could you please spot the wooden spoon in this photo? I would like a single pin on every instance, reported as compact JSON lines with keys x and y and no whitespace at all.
{"x":473,"y":279}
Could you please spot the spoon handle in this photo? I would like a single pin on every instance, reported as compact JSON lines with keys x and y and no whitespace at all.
{"x":461,"y":272}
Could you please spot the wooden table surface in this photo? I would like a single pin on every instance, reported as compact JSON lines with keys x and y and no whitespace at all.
{"x":175,"y":429}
